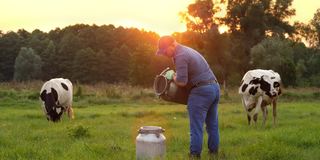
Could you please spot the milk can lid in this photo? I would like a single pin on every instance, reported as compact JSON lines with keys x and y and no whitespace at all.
{"x":151,"y":130}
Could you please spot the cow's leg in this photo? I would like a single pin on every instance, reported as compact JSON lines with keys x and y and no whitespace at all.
{"x":70,"y":112}
{"x":258,"y":108}
{"x":249,"y":119}
{"x":265,"y":113}
{"x":274,"y":110}
{"x":245,"y":108}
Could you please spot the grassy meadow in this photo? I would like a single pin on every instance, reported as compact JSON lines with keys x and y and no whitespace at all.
{"x":107,"y":118}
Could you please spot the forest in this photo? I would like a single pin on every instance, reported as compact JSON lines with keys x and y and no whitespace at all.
{"x":259,"y":35}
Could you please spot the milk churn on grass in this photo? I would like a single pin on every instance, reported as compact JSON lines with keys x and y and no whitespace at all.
{"x":150,"y":143}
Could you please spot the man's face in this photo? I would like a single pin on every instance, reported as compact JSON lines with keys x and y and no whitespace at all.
{"x":170,"y":51}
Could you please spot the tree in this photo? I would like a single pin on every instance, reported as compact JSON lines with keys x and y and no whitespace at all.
{"x":50,"y":63}
{"x":87,"y":66}
{"x":258,"y":17}
{"x":191,"y":38}
{"x":27,"y":65}
{"x":38,"y":41}
{"x":218,"y":55}
{"x":309,"y":32}
{"x":67,"y":48}
{"x":304,"y":33}
{"x":249,"y":22}
{"x":315,"y":22}
{"x":119,"y":64}
{"x":23,"y":34}
{"x":140,"y":73}
{"x":10,"y":44}
{"x":276,"y":54}
{"x":313,"y":65}
{"x":200,"y":15}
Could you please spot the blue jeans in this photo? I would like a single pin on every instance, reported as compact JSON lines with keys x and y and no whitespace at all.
{"x":203,"y":107}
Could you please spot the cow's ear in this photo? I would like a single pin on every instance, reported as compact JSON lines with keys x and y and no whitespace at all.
{"x":43,"y":95}
{"x":55,"y":94}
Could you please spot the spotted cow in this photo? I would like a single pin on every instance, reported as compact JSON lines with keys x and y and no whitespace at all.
{"x":260,"y":88}
{"x":56,"y":97}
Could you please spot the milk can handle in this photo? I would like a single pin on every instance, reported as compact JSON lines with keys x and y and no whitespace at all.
{"x":164,"y":71}
{"x":151,"y":132}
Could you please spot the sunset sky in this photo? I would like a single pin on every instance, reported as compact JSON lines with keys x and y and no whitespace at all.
{"x":160,"y":16}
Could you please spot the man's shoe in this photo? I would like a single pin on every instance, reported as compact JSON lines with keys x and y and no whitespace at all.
{"x":213,"y":154}
{"x":194,"y":156}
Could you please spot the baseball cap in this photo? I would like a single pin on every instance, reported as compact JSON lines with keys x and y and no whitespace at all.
{"x":164,"y":43}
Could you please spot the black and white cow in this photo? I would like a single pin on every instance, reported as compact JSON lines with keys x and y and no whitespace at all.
{"x":258,"y":89}
{"x":56,"y":96}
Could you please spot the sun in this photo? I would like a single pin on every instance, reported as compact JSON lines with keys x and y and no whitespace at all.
{"x":223,"y":28}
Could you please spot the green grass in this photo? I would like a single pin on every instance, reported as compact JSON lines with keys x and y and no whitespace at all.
{"x":106,"y":128}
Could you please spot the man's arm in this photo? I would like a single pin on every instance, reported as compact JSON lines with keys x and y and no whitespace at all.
{"x":181,"y":84}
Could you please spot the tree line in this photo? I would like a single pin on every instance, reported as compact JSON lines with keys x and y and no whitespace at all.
{"x":83,"y":53}
{"x":259,"y":36}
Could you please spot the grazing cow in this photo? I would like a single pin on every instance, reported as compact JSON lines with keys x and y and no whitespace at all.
{"x":56,"y":95}
{"x":258,"y":89}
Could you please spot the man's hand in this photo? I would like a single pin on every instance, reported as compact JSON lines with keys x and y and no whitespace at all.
{"x":181,"y":84}
{"x":169,"y":74}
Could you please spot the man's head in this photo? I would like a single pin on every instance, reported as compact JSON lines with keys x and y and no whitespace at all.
{"x":166,"y":46}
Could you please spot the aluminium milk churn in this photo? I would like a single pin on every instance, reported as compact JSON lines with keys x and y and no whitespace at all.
{"x":150,"y":143}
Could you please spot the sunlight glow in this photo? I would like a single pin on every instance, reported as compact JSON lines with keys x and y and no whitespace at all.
{"x":161,"y":16}
{"x":223,"y":29}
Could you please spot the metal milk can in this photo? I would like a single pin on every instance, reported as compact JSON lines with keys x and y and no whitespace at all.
{"x":150,"y":143}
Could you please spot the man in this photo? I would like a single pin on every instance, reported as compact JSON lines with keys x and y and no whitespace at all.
{"x":193,"y":70}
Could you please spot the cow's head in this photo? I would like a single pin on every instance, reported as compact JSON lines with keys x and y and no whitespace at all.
{"x":51,"y":107}
{"x":270,"y":85}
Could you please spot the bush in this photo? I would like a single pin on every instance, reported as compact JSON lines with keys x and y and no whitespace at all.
{"x":113,"y":93}
{"x":279,"y":53}
{"x":79,"y":132}
{"x":78,"y":91}
{"x":33,"y":96}
{"x":315,"y":80}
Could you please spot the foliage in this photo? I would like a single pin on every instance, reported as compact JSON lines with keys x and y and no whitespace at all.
{"x":200,"y":15}
{"x":92,"y":54}
{"x":119,"y":62}
{"x":309,"y":32}
{"x":27,"y":65}
{"x":49,"y":61}
{"x":79,"y":91}
{"x":10,"y":44}
{"x":255,"y":18}
{"x":315,"y":24}
{"x":79,"y":132}
{"x":83,"y":59}
{"x":217,"y":53}
{"x":141,"y":62}
{"x":276,"y":54}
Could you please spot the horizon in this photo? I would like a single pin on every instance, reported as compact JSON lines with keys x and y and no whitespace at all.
{"x":47,"y":16}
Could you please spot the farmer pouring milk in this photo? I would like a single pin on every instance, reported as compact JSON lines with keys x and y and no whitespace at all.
{"x":193,"y":71}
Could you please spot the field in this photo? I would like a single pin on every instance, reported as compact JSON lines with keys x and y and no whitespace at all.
{"x":107,"y":118}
